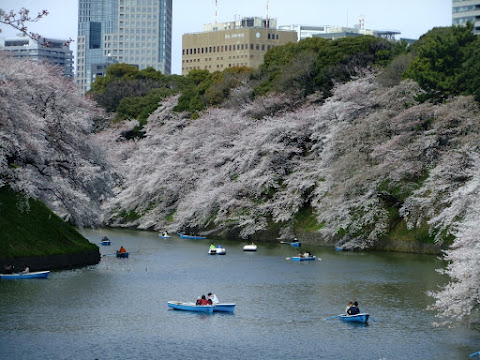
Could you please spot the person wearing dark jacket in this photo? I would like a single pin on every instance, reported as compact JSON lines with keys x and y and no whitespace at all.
{"x":354,"y":310}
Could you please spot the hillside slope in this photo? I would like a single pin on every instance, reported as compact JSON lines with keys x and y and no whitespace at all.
{"x":370,"y":162}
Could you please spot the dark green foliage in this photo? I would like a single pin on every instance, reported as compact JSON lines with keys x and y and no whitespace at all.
{"x":123,"y":81}
{"x":140,"y":107}
{"x":29,"y":228}
{"x":470,"y":77}
{"x":441,"y":64}
{"x":206,"y":89}
{"x":341,"y":59}
{"x":315,"y":64}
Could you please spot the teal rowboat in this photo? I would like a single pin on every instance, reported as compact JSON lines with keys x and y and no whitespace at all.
{"x":184,"y":236}
{"x":189,"y":306}
{"x":358,"y":318}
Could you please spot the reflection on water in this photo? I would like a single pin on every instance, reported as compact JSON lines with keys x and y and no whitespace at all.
{"x":118,"y":308}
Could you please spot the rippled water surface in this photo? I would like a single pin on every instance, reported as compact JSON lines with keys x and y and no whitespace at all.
{"x":118,"y":308}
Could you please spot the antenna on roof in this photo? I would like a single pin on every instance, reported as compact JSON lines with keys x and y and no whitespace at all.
{"x":216,"y":11}
{"x":266,"y":22}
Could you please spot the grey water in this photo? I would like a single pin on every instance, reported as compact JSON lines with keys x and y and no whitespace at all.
{"x":118,"y":308}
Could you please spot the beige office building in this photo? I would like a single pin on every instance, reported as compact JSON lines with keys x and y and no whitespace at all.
{"x":237,"y":43}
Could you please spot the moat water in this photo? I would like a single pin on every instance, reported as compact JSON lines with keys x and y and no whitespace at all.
{"x":118,"y":308}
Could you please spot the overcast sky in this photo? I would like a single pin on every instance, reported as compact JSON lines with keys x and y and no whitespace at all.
{"x":412,"y":18}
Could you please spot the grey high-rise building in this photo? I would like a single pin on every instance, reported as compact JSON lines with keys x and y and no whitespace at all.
{"x":466,"y":10}
{"x":136,"y":32}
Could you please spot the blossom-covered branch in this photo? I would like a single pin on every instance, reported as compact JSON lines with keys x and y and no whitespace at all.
{"x":18,"y":20}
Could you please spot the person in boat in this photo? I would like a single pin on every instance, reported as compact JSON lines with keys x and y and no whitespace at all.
{"x":198,"y":300}
{"x":122,"y":250}
{"x":212,"y":247}
{"x":307,"y":254}
{"x":350,"y":304}
{"x":8,"y":269}
{"x":354,"y":310}
{"x":104,"y":238}
{"x":213,"y":298}
{"x":165,"y":233}
{"x":203,"y":301}
{"x":26,"y":269}
{"x":295,"y":240}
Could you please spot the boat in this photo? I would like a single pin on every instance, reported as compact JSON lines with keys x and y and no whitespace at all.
{"x":302,"y":258}
{"x":30,"y":275}
{"x":358,"y":318}
{"x":189,"y":306}
{"x":219,"y":250}
{"x":105,"y":241}
{"x":184,"y":236}
{"x":122,"y":254}
{"x":251,"y":247}
{"x":294,"y":243}
{"x":227,"y":307}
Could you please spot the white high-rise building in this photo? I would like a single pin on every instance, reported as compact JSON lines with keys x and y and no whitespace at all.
{"x":56,"y":53}
{"x":466,"y":10}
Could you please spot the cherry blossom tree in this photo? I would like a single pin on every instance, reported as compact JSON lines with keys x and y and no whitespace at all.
{"x":46,"y":151}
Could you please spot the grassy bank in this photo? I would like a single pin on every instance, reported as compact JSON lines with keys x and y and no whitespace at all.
{"x":28,"y":228}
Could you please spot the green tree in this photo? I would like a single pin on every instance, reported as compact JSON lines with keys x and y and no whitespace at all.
{"x":438,"y":65}
{"x":470,"y":77}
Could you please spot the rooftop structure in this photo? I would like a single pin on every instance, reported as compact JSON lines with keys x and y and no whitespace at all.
{"x":335,"y":32}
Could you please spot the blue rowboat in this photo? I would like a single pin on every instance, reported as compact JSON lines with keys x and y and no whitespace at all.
{"x":183,"y":236}
{"x":299,"y":258}
{"x":122,"y":255}
{"x":189,"y":306}
{"x":358,"y":318}
{"x":294,"y":243}
{"x":227,"y":307}
{"x":105,"y":241}
{"x":30,"y":275}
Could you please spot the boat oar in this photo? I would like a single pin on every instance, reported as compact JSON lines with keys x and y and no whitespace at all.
{"x":333,"y":317}
{"x":109,"y":254}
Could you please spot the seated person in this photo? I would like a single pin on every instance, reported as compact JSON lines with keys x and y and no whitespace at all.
{"x":213,"y":298}
{"x":203,"y":300}
{"x":354,"y":310}
{"x":122,"y":250}
{"x":8,"y":269}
